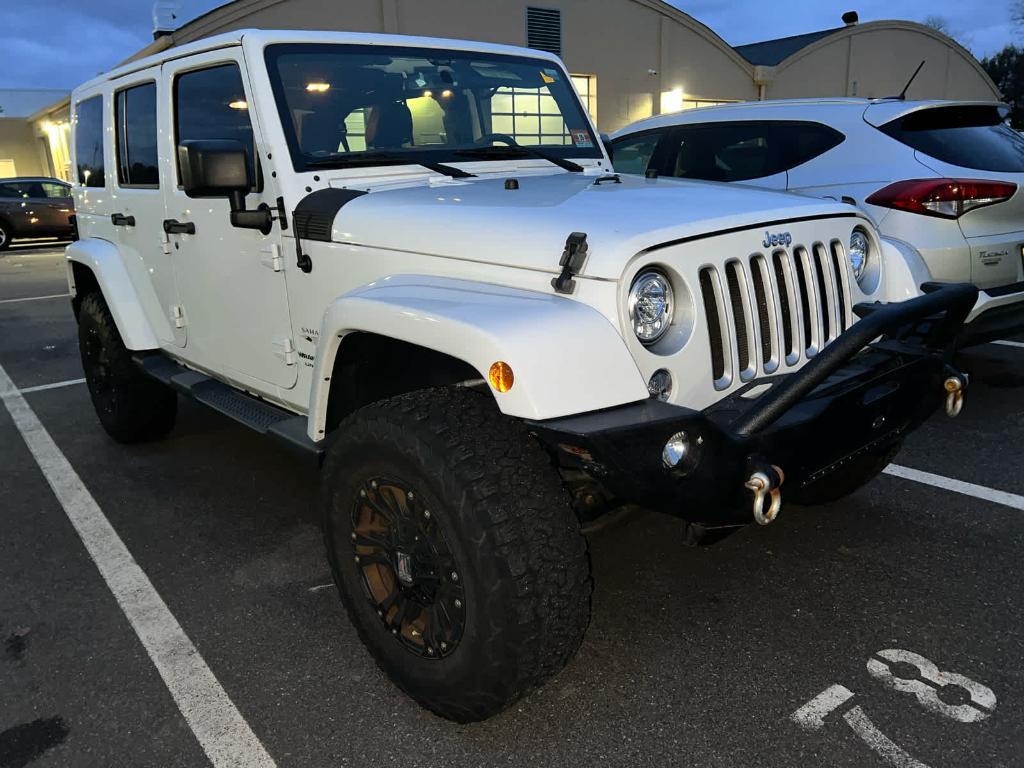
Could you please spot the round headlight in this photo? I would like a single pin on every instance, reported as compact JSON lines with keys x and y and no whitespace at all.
{"x":650,"y":306}
{"x":860,"y":253}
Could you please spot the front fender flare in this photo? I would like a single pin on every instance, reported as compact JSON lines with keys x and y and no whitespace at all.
{"x":103,"y":258}
{"x":567,"y":357}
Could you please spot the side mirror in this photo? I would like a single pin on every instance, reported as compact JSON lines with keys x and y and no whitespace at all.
{"x":214,"y":168}
{"x":220,"y":168}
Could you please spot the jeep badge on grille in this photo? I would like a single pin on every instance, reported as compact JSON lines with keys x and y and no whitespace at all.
{"x":781,"y":238}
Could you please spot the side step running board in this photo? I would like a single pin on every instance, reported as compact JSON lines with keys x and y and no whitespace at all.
{"x":246,"y":409}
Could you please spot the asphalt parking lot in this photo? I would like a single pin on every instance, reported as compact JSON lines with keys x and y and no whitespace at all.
{"x":806,"y":643}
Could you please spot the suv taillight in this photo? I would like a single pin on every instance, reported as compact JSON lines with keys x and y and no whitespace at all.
{"x":946,"y":198}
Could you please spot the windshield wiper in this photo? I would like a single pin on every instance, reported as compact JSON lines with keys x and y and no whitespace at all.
{"x":507,"y":151}
{"x":361,"y":159}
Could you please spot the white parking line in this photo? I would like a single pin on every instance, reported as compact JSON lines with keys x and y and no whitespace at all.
{"x":222,"y":732}
{"x":957,"y":486}
{"x":1019,"y":344}
{"x":886,"y":748}
{"x":55,"y":385}
{"x":811,"y":716}
{"x":35,"y":298}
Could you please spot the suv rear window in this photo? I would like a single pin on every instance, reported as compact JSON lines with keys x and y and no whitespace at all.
{"x":742,"y":150}
{"x":968,"y":136}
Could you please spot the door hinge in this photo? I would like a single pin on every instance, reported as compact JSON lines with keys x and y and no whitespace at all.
{"x":271,"y":258}
{"x":178,"y":316}
{"x":285,"y":349}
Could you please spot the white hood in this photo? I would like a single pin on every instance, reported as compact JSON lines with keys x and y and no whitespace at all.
{"x":480,"y":220}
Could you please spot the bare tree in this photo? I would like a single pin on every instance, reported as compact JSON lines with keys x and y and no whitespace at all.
{"x":939,"y":23}
{"x":942,"y":26}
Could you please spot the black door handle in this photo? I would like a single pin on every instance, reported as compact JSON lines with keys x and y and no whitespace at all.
{"x":120,"y":220}
{"x":175,"y":227}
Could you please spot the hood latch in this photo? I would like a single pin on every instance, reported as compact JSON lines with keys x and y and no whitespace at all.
{"x":573,"y":256}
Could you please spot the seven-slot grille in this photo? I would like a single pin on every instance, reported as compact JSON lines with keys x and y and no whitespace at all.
{"x":773,"y":309}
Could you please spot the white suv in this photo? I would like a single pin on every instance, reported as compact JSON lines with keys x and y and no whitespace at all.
{"x":943,"y":180}
{"x":407,"y":258}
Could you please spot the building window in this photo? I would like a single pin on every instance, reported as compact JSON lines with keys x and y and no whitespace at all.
{"x":586,"y":87}
{"x":528,"y":115}
{"x":676,"y":101}
{"x":89,"y":142}
{"x":544,"y":29}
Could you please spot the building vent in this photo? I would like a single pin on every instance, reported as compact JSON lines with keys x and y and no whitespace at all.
{"x":544,"y":29}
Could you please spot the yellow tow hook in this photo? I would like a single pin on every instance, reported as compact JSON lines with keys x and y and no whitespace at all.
{"x":765,"y":488}
{"x":955,"y":384}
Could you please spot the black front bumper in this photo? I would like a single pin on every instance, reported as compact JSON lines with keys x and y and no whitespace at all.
{"x":863,"y":393}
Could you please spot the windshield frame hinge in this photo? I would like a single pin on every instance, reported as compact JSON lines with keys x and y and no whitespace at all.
{"x":573,"y":258}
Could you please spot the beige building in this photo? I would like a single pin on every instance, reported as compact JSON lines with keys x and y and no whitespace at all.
{"x":635,"y":58}
{"x":872,"y":60}
{"x":31,"y":145}
{"x":630,"y":58}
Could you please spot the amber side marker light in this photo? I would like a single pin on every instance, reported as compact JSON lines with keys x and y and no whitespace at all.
{"x":500,"y":376}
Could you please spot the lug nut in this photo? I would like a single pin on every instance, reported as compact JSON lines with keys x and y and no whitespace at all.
{"x":354,"y":537}
{"x":409,"y":496}
{"x":357,"y":558}
{"x":362,"y":493}
{"x":430,"y":651}
{"x":426,"y":513}
{"x":458,"y":603}
{"x":373,"y":484}
{"x":444,"y":646}
{"x":455,"y":576}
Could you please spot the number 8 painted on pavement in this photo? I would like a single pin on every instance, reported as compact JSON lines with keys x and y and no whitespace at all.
{"x":983,"y":700}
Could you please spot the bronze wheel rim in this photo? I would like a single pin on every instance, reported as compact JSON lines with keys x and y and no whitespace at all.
{"x":407,"y":570}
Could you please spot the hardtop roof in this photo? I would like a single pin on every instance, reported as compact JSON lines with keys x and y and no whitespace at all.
{"x":260,"y":37}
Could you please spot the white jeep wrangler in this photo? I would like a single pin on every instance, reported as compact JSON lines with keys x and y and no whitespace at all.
{"x":409,"y":258}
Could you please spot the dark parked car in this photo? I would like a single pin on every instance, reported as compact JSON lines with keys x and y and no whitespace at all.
{"x":35,"y":207}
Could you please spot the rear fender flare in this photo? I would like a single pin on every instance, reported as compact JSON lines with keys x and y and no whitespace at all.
{"x":104,"y":260}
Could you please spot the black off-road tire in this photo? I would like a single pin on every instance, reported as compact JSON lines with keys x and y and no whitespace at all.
{"x":845,"y":480}
{"x":131,"y":406}
{"x":524,"y":571}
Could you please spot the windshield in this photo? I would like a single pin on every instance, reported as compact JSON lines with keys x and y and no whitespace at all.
{"x":356,"y":105}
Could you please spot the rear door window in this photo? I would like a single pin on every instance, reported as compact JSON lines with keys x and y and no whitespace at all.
{"x":970,"y":136}
{"x":89,"y":142}
{"x":632,"y":154}
{"x":744,"y":150}
{"x":135,"y":119}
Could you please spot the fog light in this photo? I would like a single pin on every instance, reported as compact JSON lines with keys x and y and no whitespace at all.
{"x":500,"y":376}
{"x":660,"y":385}
{"x":675,"y":449}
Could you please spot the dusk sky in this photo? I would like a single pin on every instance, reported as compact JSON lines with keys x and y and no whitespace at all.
{"x":59,"y":43}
